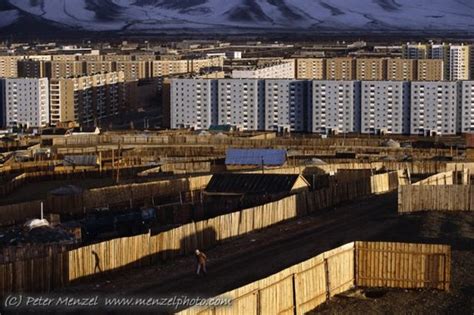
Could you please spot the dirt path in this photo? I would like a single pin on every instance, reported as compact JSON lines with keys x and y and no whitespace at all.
{"x":243,"y":260}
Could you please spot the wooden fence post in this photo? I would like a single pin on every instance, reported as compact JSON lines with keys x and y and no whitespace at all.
{"x":356,"y":265}
{"x":259,"y":307}
{"x":328,"y":282}
{"x":295,"y":305}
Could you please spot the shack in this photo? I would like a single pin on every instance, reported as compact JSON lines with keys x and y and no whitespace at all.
{"x":250,"y":189}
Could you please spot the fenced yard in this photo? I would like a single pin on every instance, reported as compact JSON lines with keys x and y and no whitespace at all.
{"x":302,"y":287}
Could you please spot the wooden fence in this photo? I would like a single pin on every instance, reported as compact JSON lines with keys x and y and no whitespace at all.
{"x":302,"y":287}
{"x":383,"y":183}
{"x":447,"y":178}
{"x":44,"y":274}
{"x":209,"y":140}
{"x":412,"y":198}
{"x":180,"y":168}
{"x":401,"y":265}
{"x":420,"y":167}
{"x":61,"y":173}
{"x":100,"y":197}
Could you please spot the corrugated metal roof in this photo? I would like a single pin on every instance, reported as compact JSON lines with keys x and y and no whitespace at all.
{"x":251,"y":183}
{"x":269,"y":157}
{"x":80,"y":160}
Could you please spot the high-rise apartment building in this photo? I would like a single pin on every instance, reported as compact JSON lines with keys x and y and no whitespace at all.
{"x":442,"y":52}
{"x":401,"y":69}
{"x":169,"y":67}
{"x":117,"y":58}
{"x":29,"y":68}
{"x":24,"y":102}
{"x":286,"y":105}
{"x":471,"y":62}
{"x":335,"y":107}
{"x":241,"y":103}
{"x":9,"y":67}
{"x":281,"y":70}
{"x":193,"y":103}
{"x":196,"y":65}
{"x":430,"y":70}
{"x":324,"y":106}
{"x":100,"y":66}
{"x":64,"y":58}
{"x":57,"y":69}
{"x":91,"y":58}
{"x":340,"y":69}
{"x":88,"y":99}
{"x":144,"y":57}
{"x":467,"y":106}
{"x":371,"y":69}
{"x":434,"y":108}
{"x":416,"y":51}
{"x":39,"y":57}
{"x":459,"y":62}
{"x":133,"y":70}
{"x":310,"y":68}
{"x":385,"y":107}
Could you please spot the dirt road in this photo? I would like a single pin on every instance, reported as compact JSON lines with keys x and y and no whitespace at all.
{"x":243,"y":260}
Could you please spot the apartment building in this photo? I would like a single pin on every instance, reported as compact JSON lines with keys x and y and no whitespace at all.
{"x":467,"y":106}
{"x":401,"y":69}
{"x":241,"y":103}
{"x":169,"y":67}
{"x":87,"y":99}
{"x":29,"y":68}
{"x":310,"y":68}
{"x":99,"y":66}
{"x":471,"y":62}
{"x":459,"y":62}
{"x":340,"y":69}
{"x":9,"y":67}
{"x":64,"y":57}
{"x":286,"y":104}
{"x":325,"y":106}
{"x":385,"y":107}
{"x":281,"y":70}
{"x":39,"y":57}
{"x":335,"y":107}
{"x":133,"y":70}
{"x":24,"y":102}
{"x":442,"y":52}
{"x":57,"y":69}
{"x":196,"y":65}
{"x":430,"y":70}
{"x":91,"y":58}
{"x":117,"y":58}
{"x":434,"y":108}
{"x":416,"y":51}
{"x":144,"y":57}
{"x":371,"y":69}
{"x":193,"y":103}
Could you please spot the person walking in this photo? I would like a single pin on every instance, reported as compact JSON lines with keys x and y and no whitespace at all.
{"x":97,"y":262}
{"x":201,"y":259}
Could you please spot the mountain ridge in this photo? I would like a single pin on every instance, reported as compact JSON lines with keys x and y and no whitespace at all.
{"x":244,"y":15}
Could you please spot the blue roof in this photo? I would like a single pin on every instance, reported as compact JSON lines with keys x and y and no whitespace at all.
{"x":255,"y":157}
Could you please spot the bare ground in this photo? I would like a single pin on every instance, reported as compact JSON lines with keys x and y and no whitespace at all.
{"x":254,"y":256}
